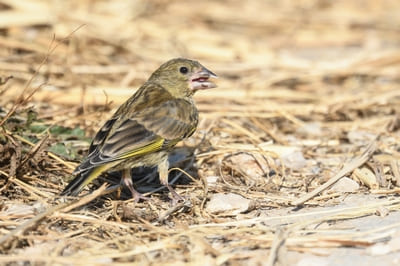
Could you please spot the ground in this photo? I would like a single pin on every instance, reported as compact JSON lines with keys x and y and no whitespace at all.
{"x":295,"y":160}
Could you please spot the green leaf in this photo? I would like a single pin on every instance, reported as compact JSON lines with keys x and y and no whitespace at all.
{"x":78,"y":132}
{"x":37,"y":128}
{"x":65,"y":132}
{"x":62,"y":150}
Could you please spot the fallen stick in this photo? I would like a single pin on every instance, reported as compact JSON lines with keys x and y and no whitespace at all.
{"x":350,"y":166}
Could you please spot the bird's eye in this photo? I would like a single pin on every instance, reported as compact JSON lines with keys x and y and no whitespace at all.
{"x":183,"y":70}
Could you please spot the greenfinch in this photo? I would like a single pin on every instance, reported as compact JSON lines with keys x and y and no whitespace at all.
{"x":146,"y":127}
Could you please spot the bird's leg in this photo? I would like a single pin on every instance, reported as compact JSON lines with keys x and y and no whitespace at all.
{"x":163,"y":172}
{"x":127,"y":179}
{"x":119,"y":192}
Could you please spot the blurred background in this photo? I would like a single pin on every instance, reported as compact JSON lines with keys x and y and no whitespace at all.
{"x":109,"y":46}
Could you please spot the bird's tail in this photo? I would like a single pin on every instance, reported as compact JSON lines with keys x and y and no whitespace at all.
{"x":82,"y":179}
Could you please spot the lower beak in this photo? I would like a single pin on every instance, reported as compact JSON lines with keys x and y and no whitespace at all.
{"x":200,"y":80}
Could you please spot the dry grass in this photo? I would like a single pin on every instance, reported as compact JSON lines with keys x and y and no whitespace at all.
{"x":312,"y":78}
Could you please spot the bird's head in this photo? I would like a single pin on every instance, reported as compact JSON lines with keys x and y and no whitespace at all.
{"x":183,"y":77}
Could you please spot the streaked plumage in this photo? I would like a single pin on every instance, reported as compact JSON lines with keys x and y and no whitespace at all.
{"x":146,"y":126}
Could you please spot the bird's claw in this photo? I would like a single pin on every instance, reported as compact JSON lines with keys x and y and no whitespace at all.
{"x":136,"y":196}
{"x":177,"y":200}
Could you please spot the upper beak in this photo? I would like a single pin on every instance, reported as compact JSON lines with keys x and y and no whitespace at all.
{"x":200,"y":80}
{"x":204,"y":71}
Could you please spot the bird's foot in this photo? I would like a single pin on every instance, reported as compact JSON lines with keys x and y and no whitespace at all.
{"x":136,"y":196}
{"x":176,"y":198}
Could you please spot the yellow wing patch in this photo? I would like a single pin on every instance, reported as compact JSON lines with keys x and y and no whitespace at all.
{"x":152,"y":147}
{"x":95,"y":173}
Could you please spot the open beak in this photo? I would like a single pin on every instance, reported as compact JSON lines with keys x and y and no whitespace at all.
{"x":200,"y":80}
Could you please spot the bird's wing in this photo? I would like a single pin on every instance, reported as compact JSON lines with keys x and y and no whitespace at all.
{"x":135,"y":133}
{"x":101,"y":135}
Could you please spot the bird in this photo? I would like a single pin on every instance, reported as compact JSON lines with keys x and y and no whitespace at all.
{"x":146,"y":127}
